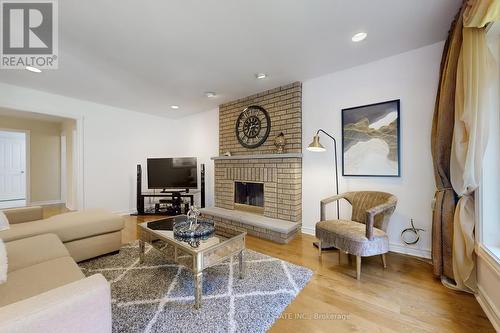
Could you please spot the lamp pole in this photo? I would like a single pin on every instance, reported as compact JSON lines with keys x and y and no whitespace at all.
{"x":336,"y":168}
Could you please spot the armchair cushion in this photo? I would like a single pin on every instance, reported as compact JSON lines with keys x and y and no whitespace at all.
{"x":350,"y":236}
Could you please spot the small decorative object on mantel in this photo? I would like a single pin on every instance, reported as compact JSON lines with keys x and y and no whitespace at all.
{"x":279,"y":143}
{"x":227,"y":153}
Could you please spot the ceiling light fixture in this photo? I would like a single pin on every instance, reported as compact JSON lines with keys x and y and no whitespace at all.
{"x":261,"y":76}
{"x":210,"y":94}
{"x":33,"y":69}
{"x":359,"y":37}
{"x":175,"y":107}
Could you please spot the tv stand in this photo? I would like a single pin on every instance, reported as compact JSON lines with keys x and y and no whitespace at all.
{"x":172,"y":198}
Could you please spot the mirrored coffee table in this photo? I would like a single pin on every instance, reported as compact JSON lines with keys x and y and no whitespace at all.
{"x":223,"y":244}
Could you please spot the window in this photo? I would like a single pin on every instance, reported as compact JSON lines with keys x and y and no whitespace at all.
{"x":489,"y":196}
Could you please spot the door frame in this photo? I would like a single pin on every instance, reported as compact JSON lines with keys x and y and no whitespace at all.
{"x":79,"y":155}
{"x":27,"y":173}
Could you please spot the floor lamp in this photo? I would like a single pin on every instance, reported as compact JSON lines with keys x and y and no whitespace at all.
{"x":316,"y":146}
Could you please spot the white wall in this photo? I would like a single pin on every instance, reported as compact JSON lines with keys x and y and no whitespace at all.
{"x":201,"y":139}
{"x":411,"y":77}
{"x":111,"y":140}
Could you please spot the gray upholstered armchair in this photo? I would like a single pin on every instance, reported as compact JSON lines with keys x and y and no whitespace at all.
{"x":365,"y":234}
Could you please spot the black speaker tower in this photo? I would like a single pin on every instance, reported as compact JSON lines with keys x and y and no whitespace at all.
{"x":202,"y":186}
{"x":140,"y":198}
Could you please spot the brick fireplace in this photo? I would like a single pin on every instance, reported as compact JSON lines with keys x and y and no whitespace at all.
{"x":281,"y":179}
{"x":279,"y":176}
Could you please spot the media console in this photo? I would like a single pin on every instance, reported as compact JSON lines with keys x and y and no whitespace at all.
{"x":170,"y":202}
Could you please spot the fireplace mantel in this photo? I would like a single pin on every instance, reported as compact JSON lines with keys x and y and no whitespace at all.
{"x":257,"y":156}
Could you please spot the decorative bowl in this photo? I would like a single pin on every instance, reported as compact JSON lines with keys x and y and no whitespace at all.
{"x":193,"y":233}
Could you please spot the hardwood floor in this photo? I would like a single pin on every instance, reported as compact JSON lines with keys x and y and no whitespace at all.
{"x":405,"y":297}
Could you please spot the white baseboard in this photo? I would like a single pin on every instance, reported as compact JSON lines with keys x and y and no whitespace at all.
{"x":308,"y":231}
{"x":394,"y":247}
{"x":404,"y":249}
{"x":489,"y":308}
{"x":45,"y":203}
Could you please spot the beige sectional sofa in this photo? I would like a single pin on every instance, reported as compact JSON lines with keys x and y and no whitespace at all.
{"x":86,"y":234}
{"x":46,"y":291}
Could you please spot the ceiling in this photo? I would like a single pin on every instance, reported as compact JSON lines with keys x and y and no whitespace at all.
{"x":147,"y":55}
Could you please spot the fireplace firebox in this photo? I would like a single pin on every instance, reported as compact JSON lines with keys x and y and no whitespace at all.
{"x":249,"y":196}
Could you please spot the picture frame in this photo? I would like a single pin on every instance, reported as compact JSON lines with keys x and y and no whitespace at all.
{"x":371,"y":140}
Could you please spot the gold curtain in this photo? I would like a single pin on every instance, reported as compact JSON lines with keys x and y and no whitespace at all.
{"x":474,"y":101}
{"x":442,"y":134}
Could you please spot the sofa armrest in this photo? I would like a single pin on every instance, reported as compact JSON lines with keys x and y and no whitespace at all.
{"x":24,"y":214}
{"x":81,"y":306}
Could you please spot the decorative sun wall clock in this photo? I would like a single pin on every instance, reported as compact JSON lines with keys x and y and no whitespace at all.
{"x":253,"y":126}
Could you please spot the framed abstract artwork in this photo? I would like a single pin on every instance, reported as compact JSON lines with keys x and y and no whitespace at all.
{"x":371,"y":140}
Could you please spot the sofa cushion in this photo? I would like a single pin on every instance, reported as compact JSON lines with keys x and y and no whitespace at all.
{"x":34,"y":250}
{"x":350,"y":236}
{"x":68,"y":227}
{"x":23,"y":214}
{"x":33,"y":280}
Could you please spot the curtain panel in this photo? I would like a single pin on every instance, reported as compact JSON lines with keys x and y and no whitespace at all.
{"x":474,"y":104}
{"x":441,"y":140}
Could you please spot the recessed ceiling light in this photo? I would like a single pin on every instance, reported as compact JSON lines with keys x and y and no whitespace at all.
{"x":210,"y":94}
{"x":261,"y":76}
{"x":33,"y":69}
{"x":175,"y":107}
{"x":359,"y":36}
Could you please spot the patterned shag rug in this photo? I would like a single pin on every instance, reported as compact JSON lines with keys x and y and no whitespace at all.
{"x":158,"y":295}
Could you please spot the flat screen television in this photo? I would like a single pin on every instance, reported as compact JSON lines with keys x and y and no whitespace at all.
{"x":173,"y":173}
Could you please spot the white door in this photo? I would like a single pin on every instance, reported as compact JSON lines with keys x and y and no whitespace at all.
{"x":12,"y":166}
